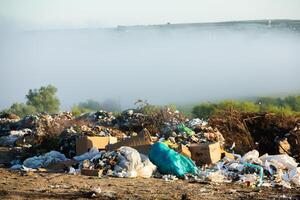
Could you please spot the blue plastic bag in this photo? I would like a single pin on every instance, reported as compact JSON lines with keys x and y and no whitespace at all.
{"x":169,"y":161}
{"x":260,"y":169}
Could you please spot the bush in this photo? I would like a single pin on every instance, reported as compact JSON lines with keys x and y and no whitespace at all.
{"x":204,"y":110}
{"x":76,"y":110}
{"x":21,"y":109}
{"x":287,"y":106}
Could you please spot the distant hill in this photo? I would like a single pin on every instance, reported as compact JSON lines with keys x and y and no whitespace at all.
{"x":269,"y":24}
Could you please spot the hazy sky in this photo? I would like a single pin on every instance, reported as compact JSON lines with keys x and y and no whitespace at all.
{"x":44,"y":14}
{"x":162,"y":65}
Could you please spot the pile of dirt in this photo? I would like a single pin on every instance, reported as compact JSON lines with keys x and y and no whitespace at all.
{"x":262,"y":131}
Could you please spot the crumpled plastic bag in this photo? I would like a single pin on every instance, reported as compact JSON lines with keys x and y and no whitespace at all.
{"x":148,"y":167}
{"x":169,"y":161}
{"x":294,"y":176}
{"x":252,"y":157}
{"x":196,"y":121}
{"x":87,"y":155}
{"x":13,"y":136}
{"x":44,"y":160}
{"x":281,"y":161}
{"x":183,"y":128}
{"x":133,"y":164}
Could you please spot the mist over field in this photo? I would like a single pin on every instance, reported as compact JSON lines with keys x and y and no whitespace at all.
{"x":163,"y":64}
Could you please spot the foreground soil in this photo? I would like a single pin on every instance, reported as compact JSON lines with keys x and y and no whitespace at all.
{"x":46,"y":185}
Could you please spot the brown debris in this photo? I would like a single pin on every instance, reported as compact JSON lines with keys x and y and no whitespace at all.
{"x":262,"y":131}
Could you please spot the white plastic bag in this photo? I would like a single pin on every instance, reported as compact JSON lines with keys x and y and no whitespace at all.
{"x":252,"y":157}
{"x":282,"y":161}
{"x":133,"y":164}
{"x":44,"y":160}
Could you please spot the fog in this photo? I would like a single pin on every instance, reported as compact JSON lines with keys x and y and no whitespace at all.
{"x":163,"y":64}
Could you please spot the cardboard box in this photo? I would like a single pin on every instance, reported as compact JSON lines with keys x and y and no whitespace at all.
{"x":226,"y":154}
{"x":92,"y":172}
{"x":184,"y":150}
{"x":205,"y":153}
{"x":85,"y":143}
{"x":142,"y":143}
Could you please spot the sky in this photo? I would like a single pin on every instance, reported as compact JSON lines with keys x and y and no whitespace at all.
{"x":52,"y":14}
{"x":42,"y":42}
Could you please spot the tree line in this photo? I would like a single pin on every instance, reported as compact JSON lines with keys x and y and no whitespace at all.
{"x":289,"y":105}
{"x":45,"y":99}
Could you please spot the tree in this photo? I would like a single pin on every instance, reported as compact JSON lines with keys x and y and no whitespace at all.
{"x":44,"y":99}
{"x":21,"y":109}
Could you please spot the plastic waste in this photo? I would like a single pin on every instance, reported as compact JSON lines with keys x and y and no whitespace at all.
{"x":236,"y":166}
{"x":196,"y":122}
{"x":294,"y":176}
{"x":148,"y":167}
{"x":183,"y":128}
{"x":260,"y":171}
{"x":44,"y":160}
{"x":88,"y":155}
{"x":13,"y":136}
{"x":281,"y":161}
{"x":169,"y":161}
{"x":133,"y":164}
{"x":252,"y":157}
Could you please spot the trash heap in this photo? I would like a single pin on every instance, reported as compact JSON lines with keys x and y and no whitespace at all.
{"x":266,"y":132}
{"x":124,"y":163}
{"x":67,"y":139}
{"x":100,"y":117}
{"x":252,"y":170}
{"x":153,"y":119}
{"x":162,"y":143}
{"x":194,"y":131}
{"x":32,"y":130}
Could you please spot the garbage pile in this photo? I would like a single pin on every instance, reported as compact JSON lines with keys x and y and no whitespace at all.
{"x":266,"y":132}
{"x":192,"y":132}
{"x":67,"y":139}
{"x":252,"y":170}
{"x":162,"y":143}
{"x":125,"y":163}
{"x":32,"y":130}
{"x":151,"y":119}
{"x":100,"y":117}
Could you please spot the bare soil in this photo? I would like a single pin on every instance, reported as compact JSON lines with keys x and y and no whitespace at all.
{"x":46,"y":185}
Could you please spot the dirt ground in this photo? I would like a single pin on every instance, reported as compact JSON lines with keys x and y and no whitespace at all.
{"x":45,"y":185}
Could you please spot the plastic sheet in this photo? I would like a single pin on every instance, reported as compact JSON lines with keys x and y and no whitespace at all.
{"x":44,"y":160}
{"x":170,"y":162}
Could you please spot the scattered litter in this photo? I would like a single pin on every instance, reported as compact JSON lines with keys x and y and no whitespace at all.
{"x":100,"y":144}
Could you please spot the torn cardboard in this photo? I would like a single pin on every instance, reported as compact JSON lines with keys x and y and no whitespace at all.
{"x":85,"y":143}
{"x":205,"y":153}
{"x":184,"y":150}
{"x":142,"y":143}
